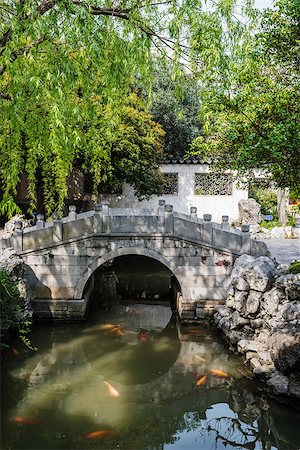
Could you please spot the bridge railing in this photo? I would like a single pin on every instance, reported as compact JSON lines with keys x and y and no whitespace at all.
{"x":103,"y":221}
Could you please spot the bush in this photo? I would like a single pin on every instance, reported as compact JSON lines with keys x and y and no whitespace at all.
{"x":267,"y":200}
{"x":12,"y":310}
{"x":294,"y":267}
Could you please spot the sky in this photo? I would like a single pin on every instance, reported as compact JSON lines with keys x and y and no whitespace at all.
{"x":261,"y":4}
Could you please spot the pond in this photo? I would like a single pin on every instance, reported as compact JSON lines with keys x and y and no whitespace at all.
{"x":131,"y":378}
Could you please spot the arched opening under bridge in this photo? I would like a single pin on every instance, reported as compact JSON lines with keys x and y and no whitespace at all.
{"x":132,"y":278}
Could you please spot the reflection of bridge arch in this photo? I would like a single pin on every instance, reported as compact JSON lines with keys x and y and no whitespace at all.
{"x":98,"y":262}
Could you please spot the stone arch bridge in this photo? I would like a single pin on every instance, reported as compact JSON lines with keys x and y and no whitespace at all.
{"x":62,"y":256}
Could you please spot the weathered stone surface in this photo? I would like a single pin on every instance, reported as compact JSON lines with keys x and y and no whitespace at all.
{"x":265,"y":358}
{"x":293,"y":291}
{"x":239,"y":268}
{"x":260,"y":274}
{"x":271,"y":300}
{"x":282,"y":269}
{"x":242,"y":285}
{"x":249,"y":212}
{"x":291,"y":311}
{"x":237,"y":321}
{"x":10,"y":226}
{"x":253,"y":301}
{"x":278,"y":383}
{"x":223,"y":310}
{"x":256,"y":323}
{"x":287,"y":280}
{"x":245,"y":345}
{"x":235,"y":336}
{"x":240,"y":300}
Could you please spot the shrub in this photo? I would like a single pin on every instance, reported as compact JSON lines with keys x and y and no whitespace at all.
{"x":267,"y":200}
{"x":12,"y":311}
{"x":294,"y":267}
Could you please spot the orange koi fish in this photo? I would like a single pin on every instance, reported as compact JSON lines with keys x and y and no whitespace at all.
{"x":32,"y":422}
{"x":18,"y":420}
{"x":219,"y":373}
{"x":21,"y":421}
{"x":107,"y":326}
{"x":119,"y":331}
{"x":99,"y":434}
{"x":14,"y":352}
{"x":112,"y":391}
{"x":202,"y":380}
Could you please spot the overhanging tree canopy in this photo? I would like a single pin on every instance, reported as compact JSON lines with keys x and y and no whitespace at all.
{"x":58,"y":56}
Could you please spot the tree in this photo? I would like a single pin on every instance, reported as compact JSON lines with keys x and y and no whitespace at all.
{"x":176,"y":108}
{"x":252,"y":112}
{"x":56,"y":57}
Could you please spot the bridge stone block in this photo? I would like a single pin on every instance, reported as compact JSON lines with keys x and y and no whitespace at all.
{"x":57,"y":231}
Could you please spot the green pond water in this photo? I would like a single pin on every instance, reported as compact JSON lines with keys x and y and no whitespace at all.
{"x":131,"y":373}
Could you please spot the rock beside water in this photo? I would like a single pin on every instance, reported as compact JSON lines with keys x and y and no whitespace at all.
{"x":261,"y":318}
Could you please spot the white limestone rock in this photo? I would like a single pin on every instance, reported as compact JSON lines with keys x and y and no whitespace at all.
{"x":245,"y":345}
{"x":256,"y":323}
{"x":239,"y":267}
{"x":260,"y":274}
{"x":240,"y":299}
{"x":223,"y":311}
{"x":293,"y":291}
{"x":249,"y":212}
{"x":287,"y":280}
{"x":271,"y":300}
{"x":242,"y":285}
{"x":253,"y":302}
{"x":291,"y":311}
{"x":237,"y":321}
{"x":282,"y":269}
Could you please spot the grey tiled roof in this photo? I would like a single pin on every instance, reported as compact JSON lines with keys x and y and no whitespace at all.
{"x":170,"y":159}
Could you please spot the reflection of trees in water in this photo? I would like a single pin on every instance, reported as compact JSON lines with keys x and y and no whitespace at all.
{"x":227,"y":413}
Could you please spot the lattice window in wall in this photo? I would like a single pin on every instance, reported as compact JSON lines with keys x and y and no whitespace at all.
{"x":213,"y":184}
{"x":170,"y":183}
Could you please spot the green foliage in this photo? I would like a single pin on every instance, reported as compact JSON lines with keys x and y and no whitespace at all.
{"x":11,"y":310}
{"x":267,"y":200}
{"x":294,"y":267}
{"x":251,"y":110}
{"x":269,"y":225}
{"x":66,"y":70}
{"x":177,"y":112}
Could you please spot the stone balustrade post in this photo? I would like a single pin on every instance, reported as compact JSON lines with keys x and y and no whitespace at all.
{"x":169,"y":219}
{"x":225,"y":223}
{"x":161,"y":207}
{"x":72,"y":212}
{"x":105,"y":216}
{"x":97,"y":219}
{"x":18,"y":237}
{"x":207,"y":228}
{"x":57,"y":229}
{"x":193,"y":213}
{"x":40,"y":221}
{"x":245,"y":244}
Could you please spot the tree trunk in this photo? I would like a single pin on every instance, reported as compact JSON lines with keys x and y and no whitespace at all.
{"x":281,"y":206}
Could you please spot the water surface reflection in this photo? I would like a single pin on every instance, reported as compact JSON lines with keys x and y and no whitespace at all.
{"x":131,"y":372}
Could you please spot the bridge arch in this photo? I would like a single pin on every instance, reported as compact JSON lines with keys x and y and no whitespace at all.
{"x":99,"y":261}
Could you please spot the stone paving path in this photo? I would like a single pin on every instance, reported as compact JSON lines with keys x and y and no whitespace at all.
{"x":284,"y":250}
